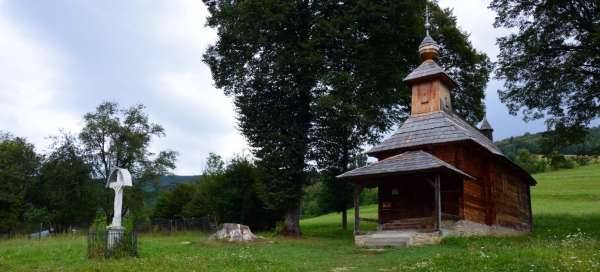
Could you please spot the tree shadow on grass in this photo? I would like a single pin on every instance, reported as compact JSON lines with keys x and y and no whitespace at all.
{"x":564,"y":224}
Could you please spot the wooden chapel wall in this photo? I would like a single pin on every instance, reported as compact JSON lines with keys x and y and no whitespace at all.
{"x":497,"y":197}
{"x":407,"y":202}
{"x":513,"y":198}
{"x":473,"y":204}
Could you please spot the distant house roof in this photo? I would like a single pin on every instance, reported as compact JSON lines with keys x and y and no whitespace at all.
{"x":433,"y":128}
{"x":405,"y":163}
{"x":428,"y":70}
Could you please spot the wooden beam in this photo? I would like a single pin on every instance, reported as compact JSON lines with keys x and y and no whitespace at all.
{"x":369,"y":219}
{"x":357,"y":190}
{"x":438,"y":203}
{"x":529,"y":204}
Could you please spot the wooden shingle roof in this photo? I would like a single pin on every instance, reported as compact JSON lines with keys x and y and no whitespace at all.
{"x":405,"y":163}
{"x":433,"y":128}
{"x":428,"y":70}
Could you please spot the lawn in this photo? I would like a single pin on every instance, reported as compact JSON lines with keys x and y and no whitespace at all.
{"x":566,"y":237}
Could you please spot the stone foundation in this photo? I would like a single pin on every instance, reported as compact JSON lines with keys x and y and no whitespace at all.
{"x":463,"y":228}
{"x":403,"y":238}
{"x":397,"y":238}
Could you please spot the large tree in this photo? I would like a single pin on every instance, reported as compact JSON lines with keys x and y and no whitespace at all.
{"x":551,"y":63}
{"x":120,"y":137}
{"x":264,"y":59}
{"x":327,"y":76}
{"x":18,"y":170}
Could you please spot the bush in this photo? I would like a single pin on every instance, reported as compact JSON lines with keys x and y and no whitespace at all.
{"x":310,"y":201}
{"x":369,"y":196}
{"x":583,"y":159}
{"x":171,"y":204}
{"x":558,"y":161}
{"x":531,"y":163}
{"x":230,"y":196}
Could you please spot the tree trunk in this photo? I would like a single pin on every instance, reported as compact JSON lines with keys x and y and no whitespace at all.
{"x":292,"y":223}
{"x":345,"y":219}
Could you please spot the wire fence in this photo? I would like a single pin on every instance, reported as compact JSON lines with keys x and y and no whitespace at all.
{"x":203,"y":224}
{"x":112,"y":243}
{"x":165,"y":226}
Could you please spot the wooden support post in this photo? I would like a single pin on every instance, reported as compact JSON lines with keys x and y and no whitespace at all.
{"x":357,"y":189}
{"x":438,"y":203}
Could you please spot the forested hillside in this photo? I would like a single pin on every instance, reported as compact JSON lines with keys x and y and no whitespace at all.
{"x":532,"y":143}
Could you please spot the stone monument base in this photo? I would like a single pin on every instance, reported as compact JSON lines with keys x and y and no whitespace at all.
{"x":114,"y":235}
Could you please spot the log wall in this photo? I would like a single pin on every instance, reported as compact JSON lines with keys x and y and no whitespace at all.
{"x":408,"y":202}
{"x":512,"y":198}
{"x":496,"y":197}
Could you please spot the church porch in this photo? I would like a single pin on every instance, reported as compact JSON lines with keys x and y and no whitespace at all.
{"x":417,"y":192}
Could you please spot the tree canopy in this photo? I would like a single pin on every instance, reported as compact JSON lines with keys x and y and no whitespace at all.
{"x":551,"y":65}
{"x":19,"y":165}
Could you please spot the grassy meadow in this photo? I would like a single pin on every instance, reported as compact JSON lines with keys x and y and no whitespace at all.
{"x":566,"y":237}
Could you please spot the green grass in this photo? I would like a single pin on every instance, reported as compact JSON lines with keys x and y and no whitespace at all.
{"x":566,"y":237}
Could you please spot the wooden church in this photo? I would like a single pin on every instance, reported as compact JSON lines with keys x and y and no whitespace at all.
{"x":438,"y":174}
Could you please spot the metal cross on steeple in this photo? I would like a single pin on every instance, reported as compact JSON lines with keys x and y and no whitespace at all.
{"x":427,"y":25}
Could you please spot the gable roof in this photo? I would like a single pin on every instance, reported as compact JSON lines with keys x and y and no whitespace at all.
{"x":433,"y":128}
{"x":427,"y":70}
{"x":406,"y":163}
{"x":437,"y":128}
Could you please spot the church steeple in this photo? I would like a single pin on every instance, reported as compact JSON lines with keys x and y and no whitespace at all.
{"x":430,"y":84}
{"x":487,"y":129}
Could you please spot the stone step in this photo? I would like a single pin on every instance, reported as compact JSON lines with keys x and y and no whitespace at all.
{"x":386,"y":241}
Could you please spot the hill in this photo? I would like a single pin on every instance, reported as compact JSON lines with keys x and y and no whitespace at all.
{"x":591,"y":145}
{"x":566,"y":237}
{"x":153,"y":189}
{"x":166,"y":182}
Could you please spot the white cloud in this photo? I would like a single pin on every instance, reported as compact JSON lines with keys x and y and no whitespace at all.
{"x":31,"y":82}
{"x":203,"y":118}
{"x":474,"y":17}
{"x":205,"y":121}
{"x":182,"y":22}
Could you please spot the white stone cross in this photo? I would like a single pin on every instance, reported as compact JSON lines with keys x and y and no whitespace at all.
{"x":118,"y":179}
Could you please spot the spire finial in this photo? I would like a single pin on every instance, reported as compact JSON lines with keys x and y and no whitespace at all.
{"x":429,"y":48}
{"x":427,"y":25}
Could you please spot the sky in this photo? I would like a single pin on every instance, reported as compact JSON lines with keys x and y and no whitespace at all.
{"x":60,"y":59}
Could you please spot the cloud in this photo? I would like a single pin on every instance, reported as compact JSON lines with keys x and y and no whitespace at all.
{"x":204,"y":120}
{"x":475,"y":18}
{"x":31,"y":84}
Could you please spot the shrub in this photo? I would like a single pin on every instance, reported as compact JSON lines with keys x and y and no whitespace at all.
{"x":558,"y":161}
{"x":531,"y":163}
{"x":583,"y":159}
{"x":230,"y":196}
